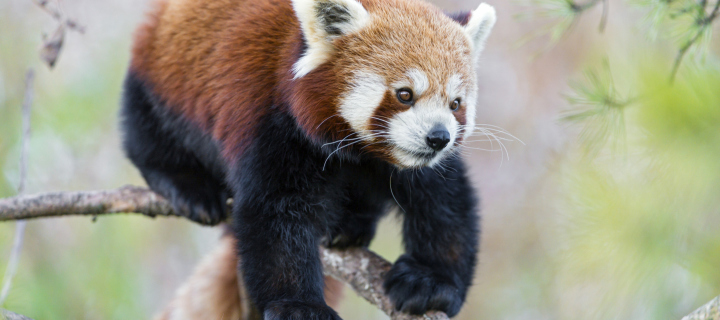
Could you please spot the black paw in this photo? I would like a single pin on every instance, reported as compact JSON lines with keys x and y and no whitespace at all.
{"x":414,"y":288}
{"x":208,"y":207}
{"x":197,"y":199}
{"x":356,"y":235}
{"x":299,"y":310}
{"x":344,"y":241}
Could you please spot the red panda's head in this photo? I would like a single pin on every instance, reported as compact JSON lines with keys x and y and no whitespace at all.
{"x":406,"y":71}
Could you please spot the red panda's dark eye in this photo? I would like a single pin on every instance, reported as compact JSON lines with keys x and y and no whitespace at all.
{"x":405,"y":96}
{"x":455,"y":105}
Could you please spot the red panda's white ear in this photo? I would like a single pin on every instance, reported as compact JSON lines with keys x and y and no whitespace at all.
{"x":479,"y":26}
{"x":322,"y":21}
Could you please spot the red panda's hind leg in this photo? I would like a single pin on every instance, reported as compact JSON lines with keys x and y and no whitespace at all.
{"x":167,"y":156}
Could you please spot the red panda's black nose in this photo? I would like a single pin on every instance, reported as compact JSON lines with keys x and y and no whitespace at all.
{"x":438,"y":138}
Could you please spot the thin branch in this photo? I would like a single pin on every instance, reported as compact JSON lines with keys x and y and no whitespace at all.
{"x":703,"y":24}
{"x":52,"y":45}
{"x":579,"y":8}
{"x":14,"y":259}
{"x":715,"y":12}
{"x":710,"y":311}
{"x":57,"y":15}
{"x":360,"y":268}
{"x":25,"y":137}
{"x":127,"y":199}
{"x":603,"y":20}
{"x":7,"y":315}
{"x":683,"y":50}
{"x":363,"y":271}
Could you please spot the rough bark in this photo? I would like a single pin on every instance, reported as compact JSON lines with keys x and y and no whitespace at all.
{"x":710,"y":311}
{"x":127,"y":199}
{"x":7,"y":315}
{"x":360,"y":268}
{"x":364,"y":270}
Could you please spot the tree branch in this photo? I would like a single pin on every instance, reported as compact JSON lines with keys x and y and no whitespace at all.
{"x":7,"y":315}
{"x":360,"y":268}
{"x":703,"y":23}
{"x":710,"y":311}
{"x":127,"y":199}
{"x":57,"y":15}
{"x":363,"y":270}
{"x":14,"y":258}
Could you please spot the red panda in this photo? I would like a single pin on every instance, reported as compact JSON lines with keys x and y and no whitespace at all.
{"x":213,"y":290}
{"x":317,"y":117}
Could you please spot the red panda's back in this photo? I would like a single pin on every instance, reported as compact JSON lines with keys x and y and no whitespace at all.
{"x":216,"y":62}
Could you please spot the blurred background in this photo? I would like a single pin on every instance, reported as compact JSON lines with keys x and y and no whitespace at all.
{"x":607,"y":210}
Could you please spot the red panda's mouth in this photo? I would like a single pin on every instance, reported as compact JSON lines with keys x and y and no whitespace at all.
{"x":420,"y":154}
{"x":408,"y":158}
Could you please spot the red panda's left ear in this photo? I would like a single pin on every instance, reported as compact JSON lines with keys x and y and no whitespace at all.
{"x":322,"y":21}
{"x":479,"y":26}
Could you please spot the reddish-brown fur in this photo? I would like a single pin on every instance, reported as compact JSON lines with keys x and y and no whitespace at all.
{"x":224,"y":64}
{"x":212,"y":291}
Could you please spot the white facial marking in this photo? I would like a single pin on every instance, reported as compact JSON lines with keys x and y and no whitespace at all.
{"x":409,"y":130}
{"x":416,"y":80}
{"x":315,"y":28}
{"x":364,"y":96}
{"x":470,"y":101}
{"x":419,"y":80}
{"x":454,"y":88}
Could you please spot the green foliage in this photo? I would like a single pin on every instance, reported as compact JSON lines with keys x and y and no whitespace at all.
{"x":642,"y":228}
{"x":96,"y":279}
{"x":563,"y":14}
{"x":599,"y":106}
{"x":688,"y":23}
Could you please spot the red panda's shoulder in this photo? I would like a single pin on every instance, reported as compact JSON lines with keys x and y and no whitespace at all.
{"x":215,"y":61}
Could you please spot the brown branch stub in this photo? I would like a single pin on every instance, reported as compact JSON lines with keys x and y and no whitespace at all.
{"x":7,"y":315}
{"x":363,"y":270}
{"x":127,"y":199}
{"x":710,"y":311}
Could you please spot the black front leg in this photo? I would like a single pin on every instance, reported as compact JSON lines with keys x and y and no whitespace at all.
{"x":367,"y":199}
{"x":280,"y":215}
{"x":440,"y":231}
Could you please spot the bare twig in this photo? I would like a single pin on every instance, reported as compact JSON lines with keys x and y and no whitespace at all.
{"x":57,"y":15}
{"x":52,"y":45}
{"x":20,"y":227}
{"x":25,"y":137}
{"x":683,"y":50}
{"x":360,"y":268}
{"x":605,"y":10}
{"x":704,"y":23}
{"x":50,"y":51}
{"x":581,"y":7}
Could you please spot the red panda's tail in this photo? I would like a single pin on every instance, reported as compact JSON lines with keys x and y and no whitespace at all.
{"x":212,"y":291}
